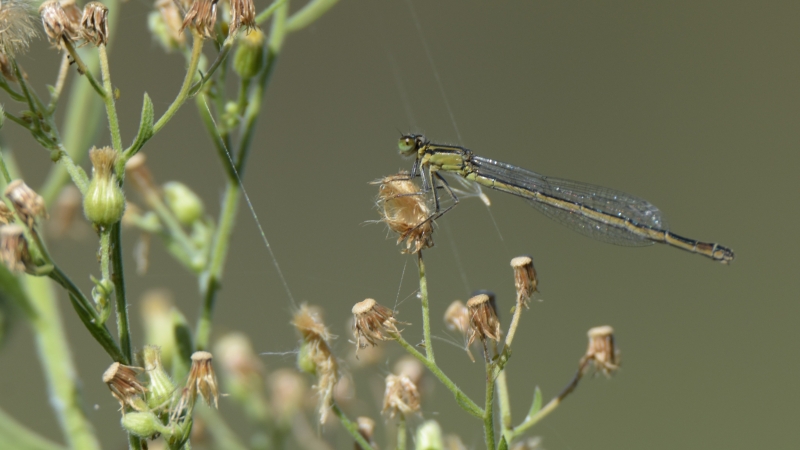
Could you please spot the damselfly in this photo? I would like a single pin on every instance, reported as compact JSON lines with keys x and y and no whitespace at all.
{"x":601,"y":213}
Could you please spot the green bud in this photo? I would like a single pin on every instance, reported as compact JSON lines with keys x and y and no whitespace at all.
{"x":429,"y":436}
{"x":160,"y":389}
{"x":184,"y":203}
{"x":143,"y":424}
{"x":304,"y":360}
{"x":104,"y":202}
{"x":249,"y":55}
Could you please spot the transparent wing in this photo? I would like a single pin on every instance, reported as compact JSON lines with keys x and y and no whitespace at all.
{"x":608,"y":201}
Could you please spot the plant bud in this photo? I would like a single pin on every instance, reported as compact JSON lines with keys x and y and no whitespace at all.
{"x":429,"y":436}
{"x":143,"y":424}
{"x":104,"y":202}
{"x":184,"y":203}
{"x":160,"y":389}
{"x":249,"y":55}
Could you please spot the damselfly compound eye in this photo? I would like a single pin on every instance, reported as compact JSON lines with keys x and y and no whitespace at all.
{"x":406,"y":145}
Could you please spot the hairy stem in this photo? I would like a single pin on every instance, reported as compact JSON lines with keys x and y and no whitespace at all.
{"x":426,"y":313}
{"x":351,"y":428}
{"x":197,"y":50}
{"x":111,"y":109}
{"x":118,"y":277}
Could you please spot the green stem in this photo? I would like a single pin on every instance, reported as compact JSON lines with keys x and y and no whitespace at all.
{"x":56,"y":359}
{"x":84,"y":70}
{"x":208,"y":121}
{"x":15,"y":435}
{"x":197,"y":50}
{"x":351,"y":428}
{"x":551,"y":405}
{"x":118,"y":277}
{"x":76,"y":173}
{"x":488,"y":417}
{"x":426,"y":313}
{"x":222,"y":434}
{"x":16,"y":96}
{"x":4,"y":169}
{"x":504,"y":400}
{"x":221,"y":56}
{"x":264,"y":15}
{"x":312,"y":11}
{"x":461,"y":398}
{"x":111,"y":109}
{"x":401,"y":433}
{"x":105,"y":254}
{"x":63,"y":70}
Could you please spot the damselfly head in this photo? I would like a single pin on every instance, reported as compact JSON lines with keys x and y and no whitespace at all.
{"x":410,"y":143}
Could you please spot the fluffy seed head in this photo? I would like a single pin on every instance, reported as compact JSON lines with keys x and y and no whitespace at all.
{"x":403,"y":208}
{"x":14,"y":252}
{"x":401,"y":396}
{"x":316,"y":356}
{"x":602,"y":351}
{"x":94,"y":23}
{"x":124,"y":386}
{"x":524,"y":278}
{"x":372,"y":322}
{"x":28,"y":204}
{"x":202,"y":14}
{"x":16,"y":26}
{"x":483,"y":322}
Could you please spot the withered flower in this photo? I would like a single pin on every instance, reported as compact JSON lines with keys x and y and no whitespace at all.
{"x":203,"y":15}
{"x":171,"y":22}
{"x":28,"y":204}
{"x":243,"y":14}
{"x":404,"y":210}
{"x":6,"y":215}
{"x":483,"y":322}
{"x":456,"y":317}
{"x":94,"y":23}
{"x":73,"y":12}
{"x":410,"y":367}
{"x":366,"y":428}
{"x":316,"y":357}
{"x":202,"y":379}
{"x":401,"y":396}
{"x":124,"y":386}
{"x":58,"y":23}
{"x":16,"y":29}
{"x":602,"y":351}
{"x":14,"y":252}
{"x":524,"y":278}
{"x":372,"y":322}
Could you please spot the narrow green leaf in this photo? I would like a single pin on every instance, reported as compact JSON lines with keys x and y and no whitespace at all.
{"x":146,"y":124}
{"x":503,"y":444}
{"x":537,"y":402}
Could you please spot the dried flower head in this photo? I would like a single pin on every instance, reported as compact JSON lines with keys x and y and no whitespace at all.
{"x":202,"y":14}
{"x":602,"y":351}
{"x":202,"y":379}
{"x":404,"y":210}
{"x":14,"y":251}
{"x":316,"y":356}
{"x":243,"y":14}
{"x":94,"y":23}
{"x":124,"y":386}
{"x":28,"y":204}
{"x":59,"y":24}
{"x":524,"y":278}
{"x":16,"y":27}
{"x":72,"y":10}
{"x":456,"y":317}
{"x":401,"y":396}
{"x":366,"y":428}
{"x":372,"y":322}
{"x":6,"y":215}
{"x":410,"y":367}
{"x":483,"y":322}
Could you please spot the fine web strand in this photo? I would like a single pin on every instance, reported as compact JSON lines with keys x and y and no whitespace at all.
{"x":400,"y":287}
{"x":253,"y":213}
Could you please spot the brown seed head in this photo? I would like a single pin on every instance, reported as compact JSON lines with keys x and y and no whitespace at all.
{"x":456,"y":317}
{"x":372,"y":322}
{"x":59,"y":23}
{"x":602,"y":351}
{"x":28,"y":204}
{"x":318,"y":352}
{"x":14,"y":251}
{"x":172,"y":18}
{"x":16,"y":30}
{"x":366,"y":428}
{"x":202,"y":14}
{"x":483,"y":319}
{"x":94,"y":23}
{"x":124,"y":386}
{"x":404,"y":210}
{"x":202,"y":379}
{"x":6,"y":215}
{"x":524,"y":278}
{"x":243,"y":14}
{"x":401,"y":396}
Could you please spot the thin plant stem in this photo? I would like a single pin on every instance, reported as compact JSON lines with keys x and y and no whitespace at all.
{"x":402,"y":432}
{"x":552,"y":404}
{"x":308,"y":14}
{"x":17,"y":436}
{"x":4,"y":169}
{"x":223,"y":54}
{"x":351,"y":428}
{"x":211,"y":127}
{"x":488,"y":409}
{"x":264,"y":15}
{"x":504,"y":400}
{"x":462,"y":399}
{"x":63,"y":70}
{"x":14,"y":94}
{"x":194,"y":60}
{"x":111,"y":109}
{"x":426,"y":313}
{"x":118,"y":277}
{"x":84,"y":70}
{"x":76,"y":173}
{"x":56,"y":359}
{"x":512,"y":329}
{"x":105,"y":254}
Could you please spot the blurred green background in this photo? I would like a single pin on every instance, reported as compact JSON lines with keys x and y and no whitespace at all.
{"x":691,"y":105}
